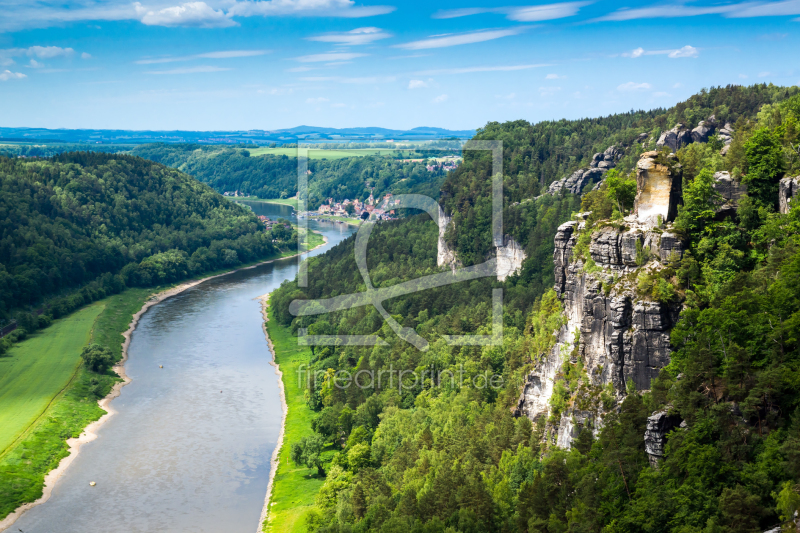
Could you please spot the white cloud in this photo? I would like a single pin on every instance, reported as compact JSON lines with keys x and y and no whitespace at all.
{"x":520,"y":13}
{"x":509,"y":96}
{"x":661,"y":94}
{"x":86,"y":56}
{"x":338,"y":104}
{"x":353,"y":37}
{"x":417,"y":84}
{"x":745,"y":9}
{"x":224,"y":54}
{"x":209,"y":14}
{"x":439,"y":99}
{"x":763,"y":74}
{"x":554,"y":77}
{"x":469,"y":70}
{"x":307,"y":8}
{"x":319,"y":100}
{"x":299,"y":69}
{"x":442,"y":41}
{"x":548,"y":91}
{"x":677,"y":85}
{"x":190,"y":70}
{"x":35,"y":64}
{"x":194,"y":14}
{"x":8,"y":75}
{"x":330,"y":56}
{"x":359,"y":81}
{"x":743,"y":76}
{"x":686,"y":51}
{"x":632,"y":86}
{"x":47,"y":52}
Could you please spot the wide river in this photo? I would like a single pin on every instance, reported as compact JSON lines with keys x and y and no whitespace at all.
{"x":189,"y":448}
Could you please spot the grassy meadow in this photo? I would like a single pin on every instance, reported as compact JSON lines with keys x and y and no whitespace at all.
{"x":295,"y":487}
{"x":44,"y":372}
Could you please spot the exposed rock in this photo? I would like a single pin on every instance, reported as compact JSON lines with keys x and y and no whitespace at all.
{"x":622,"y":339}
{"x":731,"y":191}
{"x":725,"y":133}
{"x":676,"y":138}
{"x":671,"y":248}
{"x":655,"y":436}
{"x":509,"y":258}
{"x":575,"y":182}
{"x":703,"y":130}
{"x":444,"y":255}
{"x":788,"y":190}
{"x":658,"y":190}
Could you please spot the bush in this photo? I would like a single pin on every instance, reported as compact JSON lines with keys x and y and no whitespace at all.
{"x":97,"y":358}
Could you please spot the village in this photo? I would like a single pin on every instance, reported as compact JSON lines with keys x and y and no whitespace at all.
{"x":371,"y":208}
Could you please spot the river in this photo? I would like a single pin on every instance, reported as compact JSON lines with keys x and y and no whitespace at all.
{"x":189,"y":448}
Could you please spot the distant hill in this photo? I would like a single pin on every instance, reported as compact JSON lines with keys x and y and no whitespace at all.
{"x":291,"y":135}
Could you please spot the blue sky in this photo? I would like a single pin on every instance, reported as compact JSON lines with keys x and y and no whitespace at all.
{"x":268,"y":64}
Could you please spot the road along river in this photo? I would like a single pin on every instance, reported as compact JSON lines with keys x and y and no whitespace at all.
{"x":189,"y":448}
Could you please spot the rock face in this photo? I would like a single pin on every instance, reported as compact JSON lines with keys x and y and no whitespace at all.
{"x":623,"y":338}
{"x":444,"y":255}
{"x":731,"y":191}
{"x":704,"y":130}
{"x":725,"y":133}
{"x":601,"y":163}
{"x":658,"y":190}
{"x":788,"y":190}
{"x":676,"y":138}
{"x":655,"y":436}
{"x":575,"y":182}
{"x":509,"y":258}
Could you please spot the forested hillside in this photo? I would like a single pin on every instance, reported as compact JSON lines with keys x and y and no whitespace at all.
{"x":112,"y":221}
{"x":275,"y":176}
{"x":437,"y":455}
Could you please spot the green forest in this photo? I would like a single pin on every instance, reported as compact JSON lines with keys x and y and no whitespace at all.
{"x":79,"y":226}
{"x":275,"y":176}
{"x":436,"y":456}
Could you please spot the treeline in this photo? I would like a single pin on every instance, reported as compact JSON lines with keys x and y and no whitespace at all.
{"x":437,"y":455}
{"x":535,"y":155}
{"x":97,"y":223}
{"x":275,"y":176}
{"x":51,"y":149}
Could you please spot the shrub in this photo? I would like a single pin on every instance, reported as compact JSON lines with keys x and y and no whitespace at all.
{"x":97,"y":358}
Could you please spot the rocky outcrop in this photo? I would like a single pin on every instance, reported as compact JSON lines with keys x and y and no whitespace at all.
{"x":725,"y":134}
{"x":676,"y":138}
{"x":731,"y":191}
{"x":659,"y":424}
{"x":788,"y":191}
{"x":509,"y":258}
{"x":608,"y":159}
{"x":444,"y":255}
{"x":578,"y":180}
{"x":623,"y":339}
{"x":704,"y":130}
{"x":658,"y":190}
{"x":575,"y":182}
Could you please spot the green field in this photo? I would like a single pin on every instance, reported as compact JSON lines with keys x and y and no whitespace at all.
{"x":45,"y":369}
{"x":333,"y":154}
{"x":38,"y":368}
{"x":291,"y":202}
{"x":295,"y":487}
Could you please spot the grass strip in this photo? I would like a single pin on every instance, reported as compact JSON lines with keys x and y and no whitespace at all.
{"x":294,"y":487}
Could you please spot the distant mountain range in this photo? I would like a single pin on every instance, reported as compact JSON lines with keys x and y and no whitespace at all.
{"x":292,"y":135}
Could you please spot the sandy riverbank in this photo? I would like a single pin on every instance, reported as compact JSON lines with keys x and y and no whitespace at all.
{"x":285,"y":411}
{"x":90,"y":432}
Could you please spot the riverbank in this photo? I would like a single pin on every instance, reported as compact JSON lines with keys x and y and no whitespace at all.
{"x":127,"y":307}
{"x":292,"y":488}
